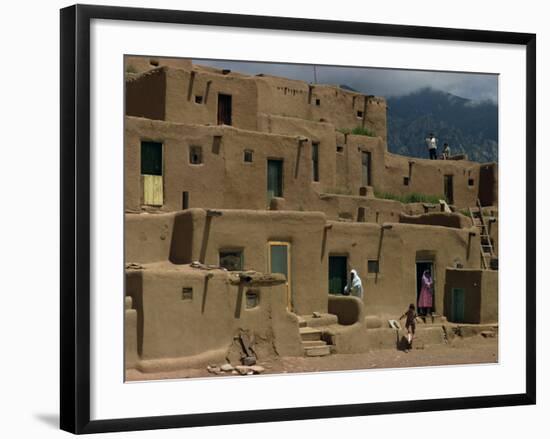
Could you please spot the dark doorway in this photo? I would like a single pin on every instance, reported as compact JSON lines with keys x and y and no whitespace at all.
{"x":337,"y":274}
{"x":421,"y":266}
{"x":365,"y":168}
{"x":486,"y":185}
{"x":448,"y":188}
{"x":224,"y":109}
{"x":274,"y":179}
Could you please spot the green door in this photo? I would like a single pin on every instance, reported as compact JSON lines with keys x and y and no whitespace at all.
{"x":457,"y":305}
{"x":337,"y":274}
{"x":274,"y":179}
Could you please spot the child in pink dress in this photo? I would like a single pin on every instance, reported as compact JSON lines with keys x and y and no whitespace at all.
{"x":425,"y":301}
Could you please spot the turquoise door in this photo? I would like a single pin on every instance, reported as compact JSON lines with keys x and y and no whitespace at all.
{"x":279,"y":262}
{"x":457,"y":305}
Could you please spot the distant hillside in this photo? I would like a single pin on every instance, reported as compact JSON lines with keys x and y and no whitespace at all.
{"x":467,"y":126}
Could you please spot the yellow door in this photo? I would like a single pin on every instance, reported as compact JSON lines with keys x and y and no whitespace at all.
{"x":279,"y":262}
{"x":152,"y":190}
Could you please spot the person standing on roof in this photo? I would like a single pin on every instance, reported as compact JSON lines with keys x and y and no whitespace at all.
{"x":446,"y":151}
{"x":431,"y":143}
{"x":355,"y":287}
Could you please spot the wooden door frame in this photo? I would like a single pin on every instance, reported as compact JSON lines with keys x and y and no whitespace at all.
{"x":288,"y":245}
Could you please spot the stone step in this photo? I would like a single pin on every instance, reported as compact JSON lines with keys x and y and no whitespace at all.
{"x":302,"y":323}
{"x":310,"y":334}
{"x":313,"y":343}
{"x":317,"y":351}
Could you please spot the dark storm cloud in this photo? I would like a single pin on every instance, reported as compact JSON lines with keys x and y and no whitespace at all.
{"x":380,"y":82}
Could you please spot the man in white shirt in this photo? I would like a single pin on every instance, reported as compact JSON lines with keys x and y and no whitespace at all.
{"x":431,"y":143}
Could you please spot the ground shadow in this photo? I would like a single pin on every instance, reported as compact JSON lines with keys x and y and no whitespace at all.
{"x":49,"y":419}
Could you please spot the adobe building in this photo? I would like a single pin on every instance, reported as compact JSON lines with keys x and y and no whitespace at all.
{"x":248,"y":201}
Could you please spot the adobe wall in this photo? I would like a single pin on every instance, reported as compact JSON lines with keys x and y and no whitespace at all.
{"x":182,"y":86}
{"x":251,"y":231}
{"x":171,"y":326}
{"x":389,"y":292}
{"x":480,"y":294}
{"x":145,"y":95}
{"x":224,"y":180}
{"x":139,"y":64}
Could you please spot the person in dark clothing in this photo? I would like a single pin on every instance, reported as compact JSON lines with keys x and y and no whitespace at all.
{"x":410,"y":324}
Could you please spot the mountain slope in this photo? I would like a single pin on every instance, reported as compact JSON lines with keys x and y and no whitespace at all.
{"x":467,"y":126}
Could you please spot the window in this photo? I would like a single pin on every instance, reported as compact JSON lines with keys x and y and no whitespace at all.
{"x":195,"y":155}
{"x":248,"y":155}
{"x":315,"y":160}
{"x":198,"y":99}
{"x":252,"y":299}
{"x":470,"y":182}
{"x":372,"y":266}
{"x":339,"y":148}
{"x":360,"y":114}
{"x":154,"y":62}
{"x":274,"y":178}
{"x":186,"y":293}
{"x":231,"y":260}
{"x":151,"y":158}
{"x":185,"y":200}
{"x":405,"y":181}
{"x":318,"y":102}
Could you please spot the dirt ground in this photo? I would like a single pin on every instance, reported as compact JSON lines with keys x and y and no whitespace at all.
{"x":473,"y":350}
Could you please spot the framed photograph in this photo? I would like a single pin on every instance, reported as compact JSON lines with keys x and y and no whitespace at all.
{"x":276,"y":218}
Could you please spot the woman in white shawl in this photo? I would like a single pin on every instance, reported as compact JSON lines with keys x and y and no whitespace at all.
{"x":356,"y":288}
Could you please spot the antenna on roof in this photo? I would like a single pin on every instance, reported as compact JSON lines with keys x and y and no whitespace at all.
{"x":314,"y":74}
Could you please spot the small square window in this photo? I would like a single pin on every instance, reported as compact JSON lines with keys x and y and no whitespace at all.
{"x":186,"y":293}
{"x":470,"y":182}
{"x":405,"y":181}
{"x":318,"y":102}
{"x":231,"y":260}
{"x":195,"y":155}
{"x":339,"y":148}
{"x":248,"y":155}
{"x":372,"y":266}
{"x":198,"y":99}
{"x":360,"y":114}
{"x":252,"y":299}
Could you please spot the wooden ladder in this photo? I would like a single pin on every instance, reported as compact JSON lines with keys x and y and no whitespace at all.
{"x":486,"y":246}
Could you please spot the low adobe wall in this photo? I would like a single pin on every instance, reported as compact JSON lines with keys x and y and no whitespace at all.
{"x":444,"y":219}
{"x":184,"y":312}
{"x":348,"y":309}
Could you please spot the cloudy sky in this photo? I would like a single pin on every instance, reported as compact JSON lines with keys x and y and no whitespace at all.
{"x":376,"y":81}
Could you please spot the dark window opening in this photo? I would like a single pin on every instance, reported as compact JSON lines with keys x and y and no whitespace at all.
{"x":448,"y":188}
{"x":360,"y":114}
{"x":315,"y":160}
{"x":366,"y":168}
{"x":195,"y":155}
{"x":274,"y":179}
{"x":231,"y":260}
{"x":186,"y":293}
{"x":318,"y":102}
{"x":248,"y":155}
{"x":252,"y":299}
{"x":372,"y":266}
{"x":198,"y":99}
{"x":406,"y":181}
{"x":224,"y":109}
{"x":339,"y":148}
{"x":151,"y":158}
{"x":470,"y":182}
{"x":154,"y":62}
{"x":185,"y":200}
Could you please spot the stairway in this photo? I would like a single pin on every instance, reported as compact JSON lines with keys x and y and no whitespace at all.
{"x":486,"y":246}
{"x":312,"y":342}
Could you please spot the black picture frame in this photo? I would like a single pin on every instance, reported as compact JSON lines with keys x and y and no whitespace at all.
{"x":75,"y":217}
